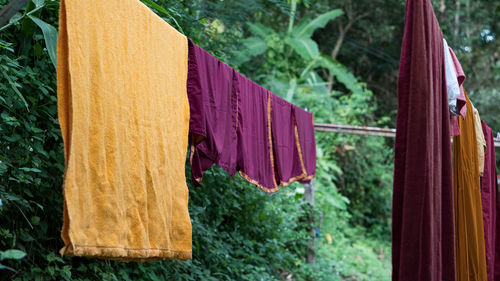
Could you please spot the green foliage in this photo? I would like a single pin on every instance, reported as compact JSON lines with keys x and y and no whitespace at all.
{"x":239,"y":232}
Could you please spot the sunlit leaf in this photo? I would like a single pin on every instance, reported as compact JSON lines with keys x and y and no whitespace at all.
{"x":50,"y":35}
{"x":306,"y":27}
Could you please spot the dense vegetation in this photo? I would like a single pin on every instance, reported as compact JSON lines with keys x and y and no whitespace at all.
{"x":296,"y":49}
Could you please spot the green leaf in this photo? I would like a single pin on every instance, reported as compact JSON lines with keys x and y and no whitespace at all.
{"x":14,"y":87}
{"x":12,"y":254}
{"x":50,"y":35}
{"x":255,"y":46}
{"x":260,"y":30}
{"x":306,"y":27}
{"x":6,"y":267}
{"x":39,"y":3}
{"x":341,"y":73}
{"x":163,"y":11}
{"x":306,"y":48}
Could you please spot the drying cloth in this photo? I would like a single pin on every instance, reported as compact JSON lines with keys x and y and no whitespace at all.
{"x":255,"y":160}
{"x":470,"y":248}
{"x":461,"y":108}
{"x":287,"y":150}
{"x":213,"y":106}
{"x":451,"y":80}
{"x":422,"y":225}
{"x":481,"y":142}
{"x":305,"y":128}
{"x":124,"y":117}
{"x":489,"y":201}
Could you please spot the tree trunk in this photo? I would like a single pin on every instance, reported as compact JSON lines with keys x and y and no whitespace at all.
{"x":9,"y":10}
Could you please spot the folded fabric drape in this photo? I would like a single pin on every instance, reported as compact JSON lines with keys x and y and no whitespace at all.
{"x":124,"y":117}
{"x":240,"y":126}
{"x":305,"y":131}
{"x":255,"y":160}
{"x":469,"y":230}
{"x":214,"y":111}
{"x":287,"y":148}
{"x":489,"y":201}
{"x":423,"y":229}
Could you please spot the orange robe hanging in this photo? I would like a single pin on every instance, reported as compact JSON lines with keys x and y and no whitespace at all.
{"x":469,"y":231}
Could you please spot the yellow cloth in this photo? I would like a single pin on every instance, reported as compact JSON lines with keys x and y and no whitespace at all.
{"x":469,"y":231}
{"x":481,"y":141}
{"x":124,"y":117}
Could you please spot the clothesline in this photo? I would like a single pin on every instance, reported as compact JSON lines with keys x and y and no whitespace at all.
{"x":362,"y":130}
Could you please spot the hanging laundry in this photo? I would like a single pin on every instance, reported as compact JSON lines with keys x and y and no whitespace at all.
{"x":461,"y":109}
{"x":461,"y":101}
{"x":124,"y":117}
{"x":489,"y":200}
{"x":470,"y":247}
{"x":423,"y":230}
{"x":287,"y":148}
{"x":452,"y":87}
{"x":481,"y":142}
{"x":305,"y":128}
{"x":255,"y":160}
{"x":214,"y":108}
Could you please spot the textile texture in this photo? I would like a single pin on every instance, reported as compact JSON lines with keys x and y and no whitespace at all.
{"x":470,"y":247}
{"x":305,"y":131}
{"x":481,"y":142}
{"x":288,"y":156}
{"x":255,"y":159}
{"x":422,"y":225}
{"x":124,"y":117}
{"x":461,"y":108}
{"x":489,"y":199}
{"x":213,"y":108}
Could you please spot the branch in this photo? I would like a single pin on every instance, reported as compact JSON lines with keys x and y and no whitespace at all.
{"x":9,"y":10}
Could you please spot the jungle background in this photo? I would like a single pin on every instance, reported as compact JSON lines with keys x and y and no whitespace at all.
{"x":338,"y":59}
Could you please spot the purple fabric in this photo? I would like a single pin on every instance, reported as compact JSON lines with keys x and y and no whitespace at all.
{"x":423,"y":241}
{"x":489,"y":201}
{"x":288,"y":162}
{"x":255,"y":159}
{"x":213,"y":108}
{"x":305,"y":127}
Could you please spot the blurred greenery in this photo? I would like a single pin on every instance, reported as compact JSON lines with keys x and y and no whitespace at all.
{"x":335,"y":58}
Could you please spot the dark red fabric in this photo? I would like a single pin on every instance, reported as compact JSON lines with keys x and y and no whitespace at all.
{"x":489,"y":199}
{"x":213,"y":108}
{"x":233,"y":124}
{"x":423,"y":222}
{"x":255,"y":156}
{"x":305,"y":127}
{"x":288,"y":162}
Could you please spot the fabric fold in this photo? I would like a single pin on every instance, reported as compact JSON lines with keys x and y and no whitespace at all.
{"x":422,"y":226}
{"x":489,"y":201}
{"x":255,"y":160}
{"x":124,"y":119}
{"x":470,"y":247}
{"x":213,"y":107}
{"x":305,"y":133}
{"x":289,"y":162}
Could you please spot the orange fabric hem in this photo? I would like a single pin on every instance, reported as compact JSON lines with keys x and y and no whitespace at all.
{"x":124,"y":254}
{"x":299,"y":147}
{"x":291,"y":180}
{"x":256,"y":183}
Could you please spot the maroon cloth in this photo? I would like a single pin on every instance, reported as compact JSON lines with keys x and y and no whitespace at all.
{"x":288,"y":156}
{"x":255,"y":159}
{"x":423,"y":219}
{"x":489,"y":201}
{"x":305,"y":128}
{"x":213,"y":112}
